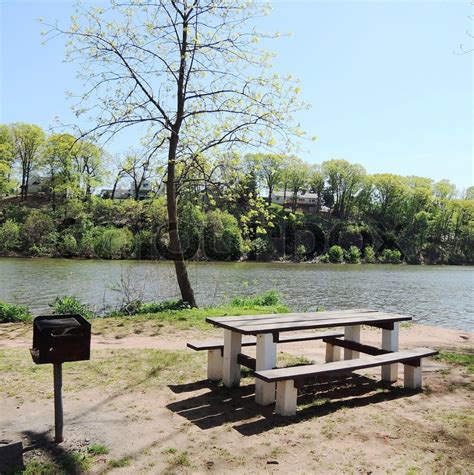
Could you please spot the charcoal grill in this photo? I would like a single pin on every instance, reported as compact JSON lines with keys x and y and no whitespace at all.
{"x":58,"y":339}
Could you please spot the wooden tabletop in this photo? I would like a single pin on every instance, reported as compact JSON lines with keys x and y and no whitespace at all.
{"x":281,"y":322}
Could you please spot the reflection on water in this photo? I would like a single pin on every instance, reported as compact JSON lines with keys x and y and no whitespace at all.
{"x":437,"y":295}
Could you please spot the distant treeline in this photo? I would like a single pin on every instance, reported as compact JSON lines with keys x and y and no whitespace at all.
{"x":226,"y":210}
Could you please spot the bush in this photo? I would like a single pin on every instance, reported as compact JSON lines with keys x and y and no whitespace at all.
{"x":144,"y":245}
{"x":324,"y":258}
{"x":113,"y":243}
{"x":352,"y":256}
{"x":67,"y":246}
{"x":300,"y":252}
{"x":391,"y":256}
{"x":13,"y":313}
{"x":261,"y":249}
{"x":369,"y":255}
{"x":222,"y":237}
{"x":37,"y":230}
{"x":9,"y":236}
{"x":70,"y":305}
{"x":266,"y":299}
{"x":336,"y":254}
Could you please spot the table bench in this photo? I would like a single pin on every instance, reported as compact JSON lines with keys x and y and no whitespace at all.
{"x":288,"y":380}
{"x":215,"y":350}
{"x":268,"y":328}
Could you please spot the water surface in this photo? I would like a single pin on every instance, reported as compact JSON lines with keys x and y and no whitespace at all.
{"x":436,"y":295}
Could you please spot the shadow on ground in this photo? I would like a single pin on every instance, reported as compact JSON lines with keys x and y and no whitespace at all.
{"x":219,"y":405}
{"x":64,"y":461}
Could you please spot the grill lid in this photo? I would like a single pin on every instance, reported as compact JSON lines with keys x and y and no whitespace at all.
{"x":65,"y":323}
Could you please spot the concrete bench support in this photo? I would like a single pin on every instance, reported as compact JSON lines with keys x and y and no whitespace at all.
{"x":287,"y":396}
{"x":390,"y":343}
{"x":412,"y":376}
{"x":231,"y":367}
{"x":215,"y":363}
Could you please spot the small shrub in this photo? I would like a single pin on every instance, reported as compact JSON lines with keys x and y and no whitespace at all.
{"x":114,"y":243}
{"x":70,"y":305}
{"x":324,"y":258}
{"x":9,"y":236}
{"x":123,"y":462}
{"x":137,"y":307}
{"x":266,"y":299}
{"x":369,"y":255}
{"x":336,"y":254}
{"x":300,"y":252}
{"x":261,"y":249}
{"x":352,"y":256}
{"x":67,"y":246}
{"x":10,"y":313}
{"x":391,"y":256}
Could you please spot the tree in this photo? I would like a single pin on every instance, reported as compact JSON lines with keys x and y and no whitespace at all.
{"x":469,"y":193}
{"x":189,"y":70}
{"x":316,"y":183}
{"x":138,"y":167}
{"x":345,"y":180}
{"x":58,"y":158}
{"x":6,"y":159}
{"x":89,"y":161}
{"x":297,"y":173}
{"x":27,"y":140}
{"x":269,"y":170}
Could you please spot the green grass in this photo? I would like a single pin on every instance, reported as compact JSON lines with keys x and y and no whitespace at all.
{"x":110,"y":369}
{"x":123,"y":462}
{"x":179,"y":460}
{"x":463,"y":359}
{"x":73,"y":462}
{"x":97,"y":449}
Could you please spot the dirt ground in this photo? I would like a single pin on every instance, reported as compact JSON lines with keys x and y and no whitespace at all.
{"x":144,"y":399}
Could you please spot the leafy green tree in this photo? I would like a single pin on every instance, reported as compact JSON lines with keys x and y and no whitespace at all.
{"x":27,"y":140}
{"x":345,"y":180}
{"x":269,"y":170}
{"x":192,"y":71}
{"x":222,"y":237}
{"x":469,"y":193}
{"x":6,"y":160}
{"x":10,"y":233}
{"x":316,"y":183}
{"x":336,"y":254}
{"x":297,"y":174}
{"x":58,"y":158}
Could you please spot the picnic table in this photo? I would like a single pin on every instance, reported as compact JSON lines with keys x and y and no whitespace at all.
{"x":267,"y":330}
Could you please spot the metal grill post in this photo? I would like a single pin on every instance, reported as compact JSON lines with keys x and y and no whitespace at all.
{"x":58,"y":402}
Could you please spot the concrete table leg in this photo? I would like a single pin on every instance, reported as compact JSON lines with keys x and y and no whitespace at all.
{"x":231,"y":368}
{"x":390,"y":343}
{"x":333,"y":353}
{"x":266,"y":359}
{"x":352,"y":333}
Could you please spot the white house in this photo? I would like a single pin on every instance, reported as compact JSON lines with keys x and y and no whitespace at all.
{"x":304,"y":201}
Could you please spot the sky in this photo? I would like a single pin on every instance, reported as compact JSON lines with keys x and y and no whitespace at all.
{"x":386,"y":82}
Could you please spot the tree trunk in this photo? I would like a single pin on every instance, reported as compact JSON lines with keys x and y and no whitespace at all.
{"x":187,"y":293}
{"x":270,"y":191}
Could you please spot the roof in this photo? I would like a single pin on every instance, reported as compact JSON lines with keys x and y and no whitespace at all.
{"x":300,"y":194}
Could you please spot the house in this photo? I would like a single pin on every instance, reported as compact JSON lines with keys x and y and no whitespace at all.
{"x":123,"y":194}
{"x":305,"y":201}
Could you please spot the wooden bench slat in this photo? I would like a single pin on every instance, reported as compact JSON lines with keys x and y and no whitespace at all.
{"x":306,"y":371}
{"x":219,"y":344}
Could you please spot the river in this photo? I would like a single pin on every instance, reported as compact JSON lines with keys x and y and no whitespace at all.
{"x":436,"y":295}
